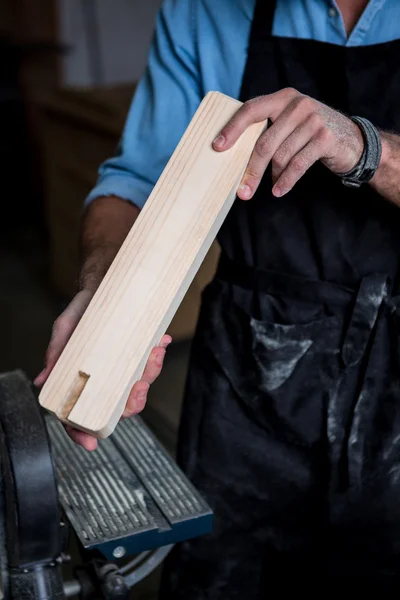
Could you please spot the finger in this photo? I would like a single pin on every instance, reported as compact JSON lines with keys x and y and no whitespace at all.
{"x":155,"y":361}
{"x":41,"y":378}
{"x":295,"y":142}
{"x":138,"y":396}
{"x":62,"y":331}
{"x":81,"y":438}
{"x":269,"y":143}
{"x":154,"y":365}
{"x":254,"y":111}
{"x":137,"y":399}
{"x":296,"y":168}
{"x":165,"y":341}
{"x":63,"y":328}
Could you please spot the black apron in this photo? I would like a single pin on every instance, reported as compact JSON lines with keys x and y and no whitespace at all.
{"x":291,"y":421}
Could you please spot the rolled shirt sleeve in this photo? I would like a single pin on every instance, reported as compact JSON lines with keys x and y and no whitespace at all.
{"x":198,"y":46}
{"x":165,"y":100}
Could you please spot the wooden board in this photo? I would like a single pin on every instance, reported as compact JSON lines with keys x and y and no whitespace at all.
{"x":149,"y":277}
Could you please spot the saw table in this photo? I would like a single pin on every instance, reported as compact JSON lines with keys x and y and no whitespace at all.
{"x":127,"y":502}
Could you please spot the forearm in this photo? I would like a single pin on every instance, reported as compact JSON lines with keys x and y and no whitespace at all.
{"x":386,"y":180}
{"x":105,"y":225}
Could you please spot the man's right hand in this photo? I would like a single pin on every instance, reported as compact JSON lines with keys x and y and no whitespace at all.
{"x":62,"y":331}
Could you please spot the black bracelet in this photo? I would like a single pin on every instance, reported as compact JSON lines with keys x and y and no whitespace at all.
{"x":368,"y":164}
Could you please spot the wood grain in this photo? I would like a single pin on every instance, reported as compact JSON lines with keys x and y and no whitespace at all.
{"x":149,"y":277}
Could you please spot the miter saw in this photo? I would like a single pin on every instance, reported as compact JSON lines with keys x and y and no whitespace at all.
{"x":127,"y":502}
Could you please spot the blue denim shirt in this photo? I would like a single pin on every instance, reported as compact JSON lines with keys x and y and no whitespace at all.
{"x":198,"y":46}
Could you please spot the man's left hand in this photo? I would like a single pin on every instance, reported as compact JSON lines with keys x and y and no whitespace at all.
{"x":302,"y":131}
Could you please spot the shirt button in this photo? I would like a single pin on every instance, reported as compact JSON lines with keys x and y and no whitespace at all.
{"x":332,"y":12}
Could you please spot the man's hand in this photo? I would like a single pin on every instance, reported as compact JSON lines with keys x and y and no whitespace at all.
{"x":62,"y":331}
{"x":302,"y":132}
{"x":106,"y":224}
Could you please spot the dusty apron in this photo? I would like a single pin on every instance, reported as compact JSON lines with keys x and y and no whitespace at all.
{"x":291,"y":423}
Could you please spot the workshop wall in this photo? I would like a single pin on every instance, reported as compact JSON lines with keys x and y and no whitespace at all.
{"x":68,"y":71}
{"x":107,"y":41}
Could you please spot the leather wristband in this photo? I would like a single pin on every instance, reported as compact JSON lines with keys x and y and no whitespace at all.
{"x":368,"y":164}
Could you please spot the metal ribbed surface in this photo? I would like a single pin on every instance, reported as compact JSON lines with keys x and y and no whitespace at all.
{"x":101,"y":496}
{"x":128,"y":486}
{"x":175,"y":496}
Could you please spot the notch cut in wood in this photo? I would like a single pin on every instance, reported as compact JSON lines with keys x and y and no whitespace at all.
{"x":151,"y":273}
{"x":73,"y":395}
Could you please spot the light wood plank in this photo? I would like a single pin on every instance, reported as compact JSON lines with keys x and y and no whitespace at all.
{"x":149,"y":277}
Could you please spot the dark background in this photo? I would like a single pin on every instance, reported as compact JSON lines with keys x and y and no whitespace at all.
{"x":68,"y":69}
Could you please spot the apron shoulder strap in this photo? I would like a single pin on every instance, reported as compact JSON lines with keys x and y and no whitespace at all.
{"x":263,"y":21}
{"x":261,"y":32}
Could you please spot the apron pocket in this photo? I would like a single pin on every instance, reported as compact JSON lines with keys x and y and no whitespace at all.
{"x":277,"y":349}
{"x":278,"y":371}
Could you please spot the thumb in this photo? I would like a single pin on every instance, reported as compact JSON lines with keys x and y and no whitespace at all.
{"x":63,"y":328}
{"x":62,"y":331}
